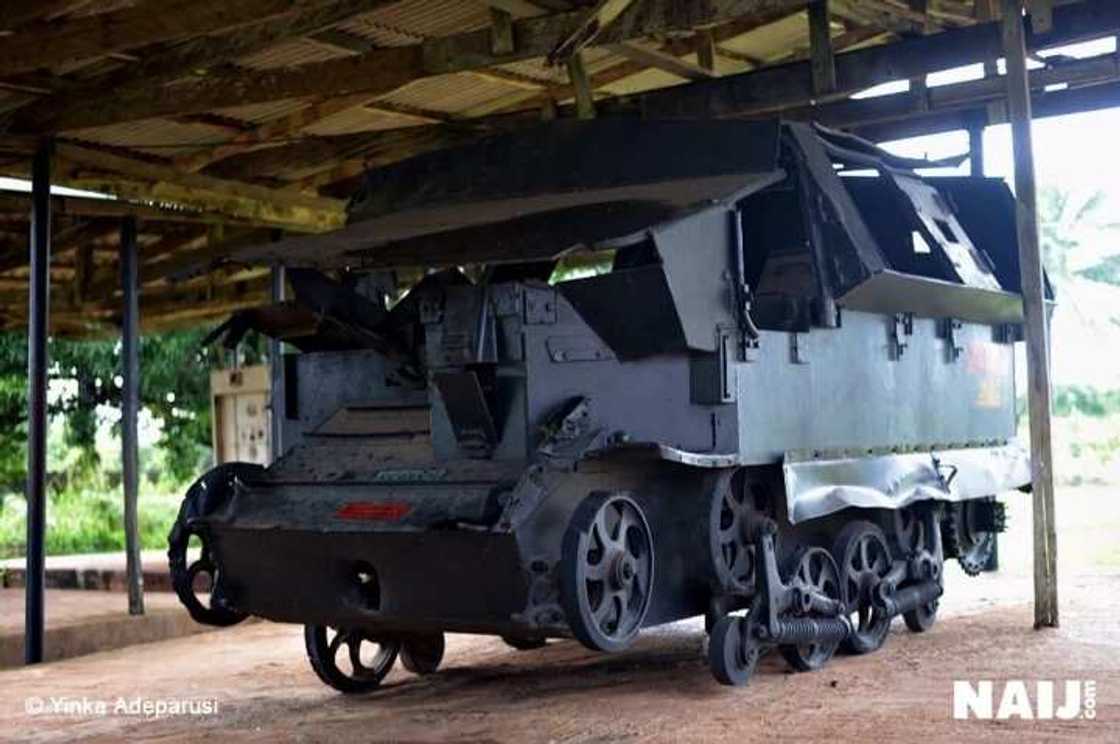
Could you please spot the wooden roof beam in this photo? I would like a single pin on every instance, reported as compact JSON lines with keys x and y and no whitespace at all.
{"x":16,"y":13}
{"x":775,"y":89}
{"x":64,"y":41}
{"x":198,"y":55}
{"x":381,"y":70}
{"x":597,"y":19}
{"x":231,"y":197}
{"x":968,"y":95}
{"x":662,"y":61}
{"x":883,"y":15}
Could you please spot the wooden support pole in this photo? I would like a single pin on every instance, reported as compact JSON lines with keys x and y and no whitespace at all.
{"x":501,"y":33}
{"x":1042,"y":15}
{"x":1034,"y":311}
{"x":976,"y":148}
{"x":706,"y":49}
{"x":820,"y":48}
{"x":38,"y":325}
{"x":921,"y":7}
{"x":130,"y":411}
{"x":585,"y":97}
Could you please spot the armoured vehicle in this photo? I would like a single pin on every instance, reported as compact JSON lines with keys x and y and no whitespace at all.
{"x":780,"y":396}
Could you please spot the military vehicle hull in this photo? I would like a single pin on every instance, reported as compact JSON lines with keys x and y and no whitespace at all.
{"x":781,"y":409}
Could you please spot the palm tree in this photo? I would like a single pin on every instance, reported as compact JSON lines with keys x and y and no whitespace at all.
{"x":1077,"y":239}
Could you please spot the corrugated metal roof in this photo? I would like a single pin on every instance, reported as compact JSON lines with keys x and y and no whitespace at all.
{"x":773,"y":40}
{"x":162,"y":137}
{"x":411,"y":21}
{"x":361,"y":119}
{"x":447,"y":93}
{"x":292,"y":54}
{"x":257,"y":113}
{"x":510,"y":87}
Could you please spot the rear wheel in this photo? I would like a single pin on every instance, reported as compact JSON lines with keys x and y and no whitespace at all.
{"x":925,"y":543}
{"x":422,"y":654}
{"x":813,"y":570}
{"x":349,"y":660}
{"x":921,"y":619}
{"x":732,"y":655}
{"x":203,"y":498}
{"x":863,"y":558}
{"x":607,"y":571}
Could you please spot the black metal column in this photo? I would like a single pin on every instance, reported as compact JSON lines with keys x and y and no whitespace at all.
{"x":130,"y":411}
{"x":38,"y":324}
{"x":276,"y":370}
{"x":976,"y":149}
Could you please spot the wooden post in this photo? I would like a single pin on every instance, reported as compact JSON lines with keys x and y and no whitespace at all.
{"x":1034,"y":310}
{"x":585,"y":97}
{"x":706,"y":49}
{"x":130,"y":412}
{"x":38,"y":324}
{"x":976,"y":148}
{"x":501,"y":33}
{"x":1042,"y":15}
{"x":921,"y":6}
{"x":820,"y":48}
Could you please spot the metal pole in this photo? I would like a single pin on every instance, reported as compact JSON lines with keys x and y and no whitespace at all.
{"x":976,"y":149}
{"x":276,"y":369}
{"x":130,"y":411}
{"x":38,"y":323}
{"x":976,"y":170}
{"x":1034,"y":311}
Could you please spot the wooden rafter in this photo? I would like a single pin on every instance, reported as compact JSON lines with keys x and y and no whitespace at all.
{"x":595,"y":22}
{"x":381,"y":70}
{"x":54,"y":44}
{"x":663,"y":61}
{"x":881,"y":14}
{"x":15,"y":13}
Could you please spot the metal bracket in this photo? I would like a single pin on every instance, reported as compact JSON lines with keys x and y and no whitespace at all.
{"x":1007,"y":333}
{"x":563,"y":349}
{"x":796,"y":349}
{"x":902,"y":324}
{"x":948,"y":331}
{"x":506,"y":299}
{"x":712,"y":377}
{"x":431,"y":307}
{"x":750,"y":350}
{"x":540,"y":306}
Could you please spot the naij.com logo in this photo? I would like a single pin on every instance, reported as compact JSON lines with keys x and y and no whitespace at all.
{"x":1042,"y":700}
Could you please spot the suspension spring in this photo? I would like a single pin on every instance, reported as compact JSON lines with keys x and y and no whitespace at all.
{"x":811,"y":630}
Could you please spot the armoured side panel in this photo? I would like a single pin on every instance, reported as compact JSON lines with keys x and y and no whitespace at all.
{"x":850,"y":389}
{"x":647,"y":400}
{"x":319,"y":385}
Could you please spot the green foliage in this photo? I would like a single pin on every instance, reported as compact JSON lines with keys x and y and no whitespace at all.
{"x":84,"y":510}
{"x":1087,"y":401}
{"x":174,"y":388}
{"x":87,"y":521}
{"x":1107,"y":271}
{"x":1076,"y":238}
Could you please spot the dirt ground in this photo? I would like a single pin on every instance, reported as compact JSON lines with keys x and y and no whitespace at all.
{"x":661,"y":690}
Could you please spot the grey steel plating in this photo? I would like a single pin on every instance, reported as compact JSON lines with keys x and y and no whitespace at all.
{"x":793,"y":374}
